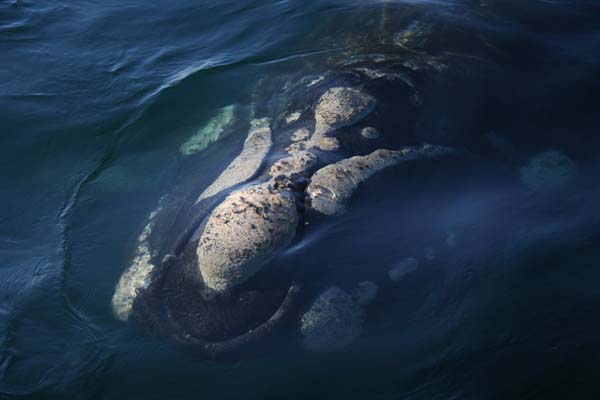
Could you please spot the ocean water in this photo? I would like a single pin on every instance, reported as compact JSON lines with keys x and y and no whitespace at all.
{"x":99,"y":99}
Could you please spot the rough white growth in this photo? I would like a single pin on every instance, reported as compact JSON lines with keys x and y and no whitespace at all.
{"x":339,"y":107}
{"x":300,"y":134}
{"x":298,"y":163}
{"x":137,"y":276}
{"x":371,"y":73}
{"x":403,"y":268}
{"x":378,"y":74}
{"x":245,"y":165}
{"x":244,"y":233}
{"x":425,"y":62}
{"x":297,"y":147}
{"x":332,"y":186}
{"x":211,"y":132}
{"x":333,"y":321}
{"x":293,"y":117}
{"x":315,"y":81}
{"x":369,"y":133}
{"x":548,"y":171}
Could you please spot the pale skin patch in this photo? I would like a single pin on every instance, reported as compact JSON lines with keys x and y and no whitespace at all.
{"x":293,"y":117}
{"x":248,"y":162}
{"x":137,"y":276}
{"x":338,"y":107}
{"x":332,"y":186}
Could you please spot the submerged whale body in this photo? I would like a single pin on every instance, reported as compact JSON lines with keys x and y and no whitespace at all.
{"x":218,"y":271}
{"x":213,"y":282}
{"x":216,"y":287}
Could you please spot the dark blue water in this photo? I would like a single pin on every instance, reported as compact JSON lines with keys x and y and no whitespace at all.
{"x":96,"y":99}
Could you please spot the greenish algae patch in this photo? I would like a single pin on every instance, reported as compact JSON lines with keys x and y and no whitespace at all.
{"x":213,"y":131}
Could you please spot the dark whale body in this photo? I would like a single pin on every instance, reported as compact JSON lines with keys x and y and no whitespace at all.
{"x":177,"y":304}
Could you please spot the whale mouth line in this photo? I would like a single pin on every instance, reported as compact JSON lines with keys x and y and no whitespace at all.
{"x":227,"y":348}
{"x":174,"y":307}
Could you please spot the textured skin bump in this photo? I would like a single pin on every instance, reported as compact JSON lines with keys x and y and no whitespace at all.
{"x":298,"y":163}
{"x":249,"y":161}
{"x":332,"y":186}
{"x":339,"y":107}
{"x":244,"y":233}
{"x":138,"y":275}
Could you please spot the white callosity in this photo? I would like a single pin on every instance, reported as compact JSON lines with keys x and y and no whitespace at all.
{"x":300,"y":145}
{"x":339,"y":107}
{"x":369,"y":133}
{"x":299,"y":160}
{"x":244,"y":233}
{"x":137,"y":275}
{"x":293,"y":117}
{"x":315,"y":81}
{"x":297,"y":163}
{"x":548,"y":171}
{"x":248,"y":162}
{"x":214,"y":130}
{"x":334,"y":320}
{"x":383,"y":74}
{"x":300,"y":134}
{"x":332,"y":186}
